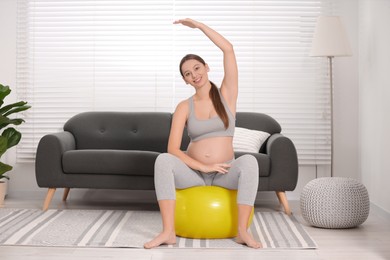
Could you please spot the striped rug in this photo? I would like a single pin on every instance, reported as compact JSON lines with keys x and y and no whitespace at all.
{"x":131,"y":229}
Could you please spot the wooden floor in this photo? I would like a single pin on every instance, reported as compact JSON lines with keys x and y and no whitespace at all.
{"x":369,"y":241}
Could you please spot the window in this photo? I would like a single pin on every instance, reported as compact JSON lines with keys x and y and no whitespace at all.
{"x":123,"y":55}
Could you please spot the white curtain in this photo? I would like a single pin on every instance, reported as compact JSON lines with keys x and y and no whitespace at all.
{"x":123,"y":55}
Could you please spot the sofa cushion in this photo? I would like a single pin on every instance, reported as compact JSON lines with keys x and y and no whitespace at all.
{"x":118,"y":162}
{"x":263,"y":160}
{"x":248,"y":140}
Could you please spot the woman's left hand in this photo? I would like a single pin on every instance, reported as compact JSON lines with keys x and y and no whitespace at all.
{"x":218,"y":167}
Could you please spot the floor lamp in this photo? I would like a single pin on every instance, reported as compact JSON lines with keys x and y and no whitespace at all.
{"x":330,"y":40}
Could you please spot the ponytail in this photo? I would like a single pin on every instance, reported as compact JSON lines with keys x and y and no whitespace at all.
{"x":218,"y":105}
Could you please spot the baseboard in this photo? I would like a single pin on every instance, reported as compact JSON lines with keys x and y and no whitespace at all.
{"x":380,"y":211}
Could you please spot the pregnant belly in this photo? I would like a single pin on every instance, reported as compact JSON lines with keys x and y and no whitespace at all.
{"x":212,"y":150}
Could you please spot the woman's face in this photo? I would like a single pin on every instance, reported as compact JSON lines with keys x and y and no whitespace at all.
{"x":195,"y":73}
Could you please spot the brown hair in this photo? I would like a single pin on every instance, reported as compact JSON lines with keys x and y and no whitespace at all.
{"x":214,"y":93}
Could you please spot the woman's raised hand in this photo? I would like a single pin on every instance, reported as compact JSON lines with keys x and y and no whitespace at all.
{"x":187,"y":22}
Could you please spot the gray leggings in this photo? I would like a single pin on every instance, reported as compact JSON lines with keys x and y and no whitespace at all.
{"x":172,"y":173}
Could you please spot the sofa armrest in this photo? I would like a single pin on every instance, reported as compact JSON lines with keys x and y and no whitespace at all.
{"x":284,"y":163}
{"x":48,"y":162}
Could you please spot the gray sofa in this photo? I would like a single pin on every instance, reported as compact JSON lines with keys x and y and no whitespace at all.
{"x":117,"y":150}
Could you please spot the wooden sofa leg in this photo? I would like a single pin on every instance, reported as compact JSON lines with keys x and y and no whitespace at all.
{"x":49,"y":197}
{"x":66,"y":193}
{"x":283,"y":200}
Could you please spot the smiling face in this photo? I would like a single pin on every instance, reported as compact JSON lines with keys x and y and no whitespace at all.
{"x":195,"y":72}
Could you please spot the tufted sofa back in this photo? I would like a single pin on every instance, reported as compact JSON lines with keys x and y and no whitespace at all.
{"x":148,"y":131}
{"x":121,"y":130}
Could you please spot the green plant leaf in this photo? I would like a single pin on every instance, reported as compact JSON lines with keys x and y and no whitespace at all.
{"x":3,"y":145}
{"x":4,"y":121}
{"x":10,"y":136}
{"x":10,"y":106}
{"x":13,"y":136}
{"x":16,"y":110}
{"x":3,"y":169}
{"x":4,"y":91}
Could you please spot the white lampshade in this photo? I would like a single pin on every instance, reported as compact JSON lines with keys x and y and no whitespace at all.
{"x":330,"y":38}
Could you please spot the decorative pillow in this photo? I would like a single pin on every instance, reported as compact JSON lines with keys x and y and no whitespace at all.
{"x":247,"y":140}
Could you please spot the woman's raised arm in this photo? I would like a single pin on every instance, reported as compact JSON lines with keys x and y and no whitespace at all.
{"x":229,"y":86}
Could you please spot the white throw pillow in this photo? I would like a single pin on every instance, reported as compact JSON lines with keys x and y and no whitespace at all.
{"x":247,"y":140}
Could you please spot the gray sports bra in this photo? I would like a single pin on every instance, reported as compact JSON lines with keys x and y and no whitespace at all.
{"x":213,"y":127}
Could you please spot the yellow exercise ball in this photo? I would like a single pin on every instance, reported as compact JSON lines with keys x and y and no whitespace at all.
{"x":206,"y":212}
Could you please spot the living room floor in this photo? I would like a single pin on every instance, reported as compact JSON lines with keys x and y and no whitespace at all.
{"x":369,"y":241}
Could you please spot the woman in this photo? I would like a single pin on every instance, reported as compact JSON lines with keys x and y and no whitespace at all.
{"x":209,"y":116}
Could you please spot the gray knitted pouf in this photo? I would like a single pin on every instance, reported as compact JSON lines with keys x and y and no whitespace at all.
{"x":334,"y":202}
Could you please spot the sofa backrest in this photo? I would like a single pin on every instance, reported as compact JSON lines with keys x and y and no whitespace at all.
{"x":121,"y":130}
{"x":258,"y":121}
{"x":147,"y":131}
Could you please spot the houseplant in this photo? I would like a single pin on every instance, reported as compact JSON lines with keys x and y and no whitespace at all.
{"x":9,"y":136}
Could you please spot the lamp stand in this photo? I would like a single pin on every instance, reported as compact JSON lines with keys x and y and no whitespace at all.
{"x":330,"y":58}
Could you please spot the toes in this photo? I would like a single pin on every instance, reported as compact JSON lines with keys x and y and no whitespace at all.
{"x":161,"y":240}
{"x":249,"y":241}
{"x":149,"y":245}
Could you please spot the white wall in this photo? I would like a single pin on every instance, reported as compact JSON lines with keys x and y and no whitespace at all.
{"x":374,"y":105}
{"x":8,"y":54}
{"x":346,"y":97}
{"x":7,"y":42}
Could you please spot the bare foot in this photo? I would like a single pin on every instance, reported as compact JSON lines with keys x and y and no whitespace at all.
{"x":246,"y":239}
{"x":165,"y":238}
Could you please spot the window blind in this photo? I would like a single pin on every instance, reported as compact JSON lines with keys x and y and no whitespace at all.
{"x":123,"y":55}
